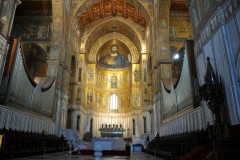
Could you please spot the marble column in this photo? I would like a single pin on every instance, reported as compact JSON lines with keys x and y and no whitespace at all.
{"x":57,"y":65}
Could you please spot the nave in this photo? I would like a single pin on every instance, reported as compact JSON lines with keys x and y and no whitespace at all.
{"x":162,"y":72}
{"x":66,"y":156}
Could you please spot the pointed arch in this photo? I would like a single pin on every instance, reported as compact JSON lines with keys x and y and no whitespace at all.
{"x":92,"y":56}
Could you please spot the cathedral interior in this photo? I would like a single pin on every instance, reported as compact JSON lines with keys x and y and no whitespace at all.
{"x":139,"y":70}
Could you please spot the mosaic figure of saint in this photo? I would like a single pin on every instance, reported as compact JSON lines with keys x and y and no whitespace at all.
{"x":5,"y":10}
{"x":136,"y":75}
{"x":136,"y":100}
{"x":89,"y":97}
{"x":114,"y":59}
{"x":113,"y":81}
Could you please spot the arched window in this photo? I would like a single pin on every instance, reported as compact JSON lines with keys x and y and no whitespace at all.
{"x":113,"y":103}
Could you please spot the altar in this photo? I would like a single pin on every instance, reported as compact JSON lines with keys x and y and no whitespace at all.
{"x":103,"y":143}
{"x":109,"y":146}
{"x":112,"y":131}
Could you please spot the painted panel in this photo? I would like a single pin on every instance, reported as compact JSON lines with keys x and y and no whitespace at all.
{"x":37,"y":29}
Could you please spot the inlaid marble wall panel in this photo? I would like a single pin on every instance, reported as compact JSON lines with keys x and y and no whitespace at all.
{"x":234,"y":38}
{"x":237,"y":60}
{"x":233,"y":32}
{"x":238,"y":19}
{"x":201,"y":68}
{"x":225,"y":76}
{"x":208,"y":52}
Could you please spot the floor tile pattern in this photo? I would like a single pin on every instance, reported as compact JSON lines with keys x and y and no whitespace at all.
{"x":66,"y":156}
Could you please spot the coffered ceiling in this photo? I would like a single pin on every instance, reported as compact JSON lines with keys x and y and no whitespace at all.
{"x":179,"y":7}
{"x":111,"y":8}
{"x":103,"y":9}
{"x":99,"y":13}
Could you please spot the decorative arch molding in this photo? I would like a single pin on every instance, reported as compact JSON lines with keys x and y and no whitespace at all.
{"x":120,"y":19}
{"x":92,"y":56}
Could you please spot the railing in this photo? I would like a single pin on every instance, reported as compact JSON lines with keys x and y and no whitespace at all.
{"x":16,"y":120}
{"x":192,"y":121}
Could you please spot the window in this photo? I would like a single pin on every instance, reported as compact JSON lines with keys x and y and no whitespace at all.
{"x":113,"y":102}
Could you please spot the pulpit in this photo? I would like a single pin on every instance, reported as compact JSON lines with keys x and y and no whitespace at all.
{"x":212,"y":93}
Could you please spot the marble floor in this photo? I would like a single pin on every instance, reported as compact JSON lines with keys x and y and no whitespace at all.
{"x":65,"y":155}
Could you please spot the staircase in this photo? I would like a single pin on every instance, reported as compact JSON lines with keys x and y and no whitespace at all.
{"x":199,"y":152}
{"x":73,"y":139}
